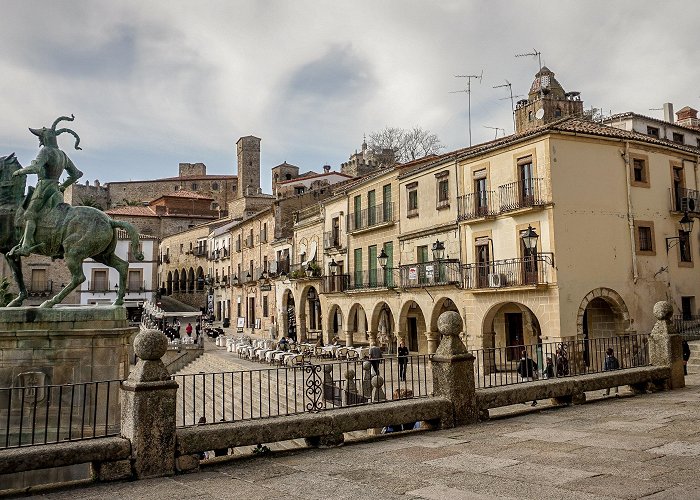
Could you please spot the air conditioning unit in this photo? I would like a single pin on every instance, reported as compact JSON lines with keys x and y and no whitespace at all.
{"x":497,"y":280}
{"x":688,"y":204}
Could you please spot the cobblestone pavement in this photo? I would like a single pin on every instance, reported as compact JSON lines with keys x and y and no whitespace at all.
{"x":628,"y":447}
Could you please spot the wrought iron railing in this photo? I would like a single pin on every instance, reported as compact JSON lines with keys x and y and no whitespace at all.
{"x":522,"y":271}
{"x":687,"y":325}
{"x":298,"y":271}
{"x":372,"y":216}
{"x":476,"y":205}
{"x":443,"y":272}
{"x":521,"y":194}
{"x":46,"y":414}
{"x":282,"y":267}
{"x":272,"y":392}
{"x":336,"y":283}
{"x":685,"y":200}
{"x":331,"y":239}
{"x":517,"y":364}
{"x":372,"y":278}
{"x":41,"y":289}
{"x":100,"y":287}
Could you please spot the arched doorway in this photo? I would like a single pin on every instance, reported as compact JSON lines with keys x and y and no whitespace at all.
{"x":335,"y":323}
{"x":183,"y":280}
{"x":602,"y":315}
{"x":176,"y":281}
{"x":511,"y":325}
{"x":357,"y":325}
{"x":190,"y":281}
{"x":412,"y":322}
{"x":200,"y":279}
{"x":169,"y":283}
{"x":311,"y":314}
{"x":383,"y":323}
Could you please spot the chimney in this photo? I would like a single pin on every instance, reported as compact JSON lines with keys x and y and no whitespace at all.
{"x":668,"y":112}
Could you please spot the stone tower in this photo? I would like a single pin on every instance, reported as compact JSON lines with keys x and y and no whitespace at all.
{"x":248,"y":152}
{"x":546,"y":102}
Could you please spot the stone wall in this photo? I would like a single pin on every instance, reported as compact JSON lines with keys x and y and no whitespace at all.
{"x":222,"y":188}
{"x":82,"y":194}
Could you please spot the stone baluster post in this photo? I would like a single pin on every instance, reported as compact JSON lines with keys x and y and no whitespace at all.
{"x":453,"y":371}
{"x":148,"y":399}
{"x":665,"y":346}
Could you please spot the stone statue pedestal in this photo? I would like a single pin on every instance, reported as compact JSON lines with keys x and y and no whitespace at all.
{"x":63,"y":345}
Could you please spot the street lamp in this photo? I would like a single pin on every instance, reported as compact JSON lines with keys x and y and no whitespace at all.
{"x":309,"y":271}
{"x":333,"y":266}
{"x":438,"y":250}
{"x":383,"y":259}
{"x":530,"y":238}
{"x":686,"y":226}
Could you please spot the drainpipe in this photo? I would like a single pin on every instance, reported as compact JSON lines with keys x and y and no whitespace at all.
{"x":630,"y":217}
{"x":695,"y":169}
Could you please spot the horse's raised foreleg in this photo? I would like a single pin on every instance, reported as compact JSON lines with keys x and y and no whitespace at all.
{"x":75,"y":266}
{"x":15,"y":264}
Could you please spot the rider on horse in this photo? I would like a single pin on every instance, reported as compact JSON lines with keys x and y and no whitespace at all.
{"x":49,"y":165}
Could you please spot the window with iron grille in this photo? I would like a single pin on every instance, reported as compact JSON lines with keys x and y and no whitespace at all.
{"x":646,"y":243}
{"x":443,"y":188}
{"x":684,"y":246}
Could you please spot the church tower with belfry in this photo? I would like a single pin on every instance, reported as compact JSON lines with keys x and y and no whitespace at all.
{"x":248,"y":152}
{"x":546,"y":102}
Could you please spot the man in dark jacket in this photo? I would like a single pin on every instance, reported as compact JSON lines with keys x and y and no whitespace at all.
{"x":686,"y":356}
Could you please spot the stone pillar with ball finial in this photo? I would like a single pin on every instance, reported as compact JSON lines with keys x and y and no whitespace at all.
{"x":148,"y":400}
{"x":665,"y":345}
{"x":453,"y":371}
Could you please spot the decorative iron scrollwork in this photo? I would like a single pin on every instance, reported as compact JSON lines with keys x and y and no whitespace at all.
{"x":313,"y":392}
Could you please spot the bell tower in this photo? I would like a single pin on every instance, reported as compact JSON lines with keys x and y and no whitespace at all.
{"x":248,"y":153}
{"x":546,"y":102}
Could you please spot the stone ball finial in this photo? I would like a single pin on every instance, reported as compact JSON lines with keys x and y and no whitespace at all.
{"x":663,"y":310}
{"x":366,"y":366}
{"x":150,"y":345}
{"x":449,"y":323}
{"x":377,"y":381}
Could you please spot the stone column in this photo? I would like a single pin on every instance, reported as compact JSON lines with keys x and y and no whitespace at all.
{"x":434,"y":341}
{"x":301,"y":326}
{"x":348,"y":338}
{"x":148,"y":409}
{"x":372,"y":338}
{"x":453,"y":371}
{"x":665,"y":346}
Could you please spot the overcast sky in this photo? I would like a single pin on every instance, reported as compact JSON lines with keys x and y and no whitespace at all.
{"x":154,"y":83}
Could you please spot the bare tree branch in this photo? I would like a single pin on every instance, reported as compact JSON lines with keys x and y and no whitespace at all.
{"x":407,"y":144}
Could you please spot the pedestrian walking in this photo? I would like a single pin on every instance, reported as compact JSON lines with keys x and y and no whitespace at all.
{"x":686,"y":356}
{"x":527,"y":369}
{"x":403,"y":360}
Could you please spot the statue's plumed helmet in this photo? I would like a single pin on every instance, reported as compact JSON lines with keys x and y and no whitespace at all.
{"x":47,"y":136}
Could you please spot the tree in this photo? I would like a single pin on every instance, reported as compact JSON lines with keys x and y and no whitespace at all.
{"x":91,"y":202}
{"x":407,"y":144}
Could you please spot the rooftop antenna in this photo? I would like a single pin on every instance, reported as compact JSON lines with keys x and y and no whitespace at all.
{"x":496,"y":129}
{"x":512,"y":103}
{"x":469,"y":96}
{"x":535,"y":53}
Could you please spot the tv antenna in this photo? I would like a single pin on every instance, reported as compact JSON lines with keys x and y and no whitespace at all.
{"x":512,"y":103}
{"x":497,"y":129}
{"x":534,"y":53}
{"x":469,"y":97}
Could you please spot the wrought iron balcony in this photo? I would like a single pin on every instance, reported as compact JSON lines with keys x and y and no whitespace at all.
{"x":200,"y":251}
{"x":335,"y":284}
{"x":373,"y":216}
{"x":372,"y":279}
{"x":523,"y":194}
{"x":506,"y":273}
{"x":331,"y":240}
{"x":476,"y":205}
{"x":42,"y":289}
{"x":435,"y":273}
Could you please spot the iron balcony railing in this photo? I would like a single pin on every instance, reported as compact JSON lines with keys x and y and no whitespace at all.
{"x":45,"y":414}
{"x":41,"y":289}
{"x":101,"y":287}
{"x":335,"y":284}
{"x":282,"y":267}
{"x":200,"y":251}
{"x":272,"y":392}
{"x":536,"y":270}
{"x":331,"y":239}
{"x":372,"y":278}
{"x":522,"y":194}
{"x":477,"y":205}
{"x":372,"y":216}
{"x":687,"y":325}
{"x":515,"y":364}
{"x":298,"y":271}
{"x":136,"y":287}
{"x":685,"y":200}
{"x":443,"y":272}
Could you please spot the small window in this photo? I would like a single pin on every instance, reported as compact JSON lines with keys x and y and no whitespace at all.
{"x":194,"y":186}
{"x":529,"y":116}
{"x":443,"y":194}
{"x":688,"y":307}
{"x":265,"y":308}
{"x":214,"y":186}
{"x":640,"y":171}
{"x":653,"y":131}
{"x":679,"y":138}
{"x":646,"y":243}
{"x":557,"y":113}
{"x":412,"y":202}
{"x":177,"y":188}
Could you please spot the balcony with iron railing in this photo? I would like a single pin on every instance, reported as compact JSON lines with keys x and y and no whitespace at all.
{"x":282,"y":267}
{"x":523,"y":194}
{"x":136,"y":287}
{"x":101,"y":286}
{"x":40,"y":289}
{"x":332,"y":240}
{"x":200,"y":251}
{"x":435,"y":273}
{"x":497,"y":274}
{"x":299,"y":271}
{"x":685,"y":200}
{"x":372,"y":279}
{"x":335,"y":284}
{"x":378,"y":215}
{"x":476,"y":205}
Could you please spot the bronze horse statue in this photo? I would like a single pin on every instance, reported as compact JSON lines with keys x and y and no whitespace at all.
{"x":71,"y":233}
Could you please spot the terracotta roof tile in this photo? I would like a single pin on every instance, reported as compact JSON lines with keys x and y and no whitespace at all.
{"x":137,"y":210}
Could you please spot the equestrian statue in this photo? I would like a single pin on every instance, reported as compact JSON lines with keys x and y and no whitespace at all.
{"x":41,"y":223}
